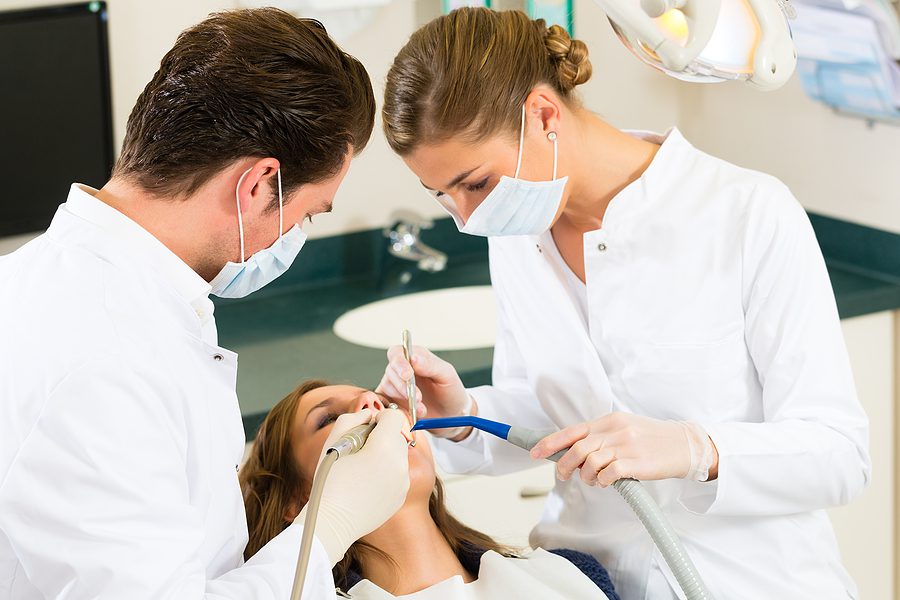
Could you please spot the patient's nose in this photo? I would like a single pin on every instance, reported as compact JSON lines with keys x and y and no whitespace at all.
{"x":369,"y":400}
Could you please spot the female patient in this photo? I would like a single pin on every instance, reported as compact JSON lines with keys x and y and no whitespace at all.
{"x":422,"y":552}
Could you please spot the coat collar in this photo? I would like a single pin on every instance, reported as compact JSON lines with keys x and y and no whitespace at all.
{"x":122,"y":235}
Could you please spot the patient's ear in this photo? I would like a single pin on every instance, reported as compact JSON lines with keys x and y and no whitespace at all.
{"x":291,"y":511}
{"x":295,"y":504}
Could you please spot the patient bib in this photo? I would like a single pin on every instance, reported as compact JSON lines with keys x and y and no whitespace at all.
{"x":539,"y":576}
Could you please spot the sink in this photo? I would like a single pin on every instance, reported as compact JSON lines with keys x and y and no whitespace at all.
{"x":460,"y":318}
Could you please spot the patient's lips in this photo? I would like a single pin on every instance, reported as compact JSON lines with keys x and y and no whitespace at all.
{"x":406,"y":429}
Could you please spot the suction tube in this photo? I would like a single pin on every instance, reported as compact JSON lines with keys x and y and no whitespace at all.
{"x":635,"y":494}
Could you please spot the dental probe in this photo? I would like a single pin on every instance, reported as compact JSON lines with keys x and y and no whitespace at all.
{"x":349,"y":443}
{"x":411,"y":384}
{"x":634,"y":493}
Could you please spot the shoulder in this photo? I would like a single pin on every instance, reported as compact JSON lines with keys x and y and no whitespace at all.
{"x":591,"y":568}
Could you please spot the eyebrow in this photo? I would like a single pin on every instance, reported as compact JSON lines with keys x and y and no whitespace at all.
{"x":456,"y":180}
{"x":321,"y":404}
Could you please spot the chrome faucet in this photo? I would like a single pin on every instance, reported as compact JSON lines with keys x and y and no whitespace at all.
{"x":406,"y":244}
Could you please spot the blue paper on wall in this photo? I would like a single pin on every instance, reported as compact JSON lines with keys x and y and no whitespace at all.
{"x":842,"y":62}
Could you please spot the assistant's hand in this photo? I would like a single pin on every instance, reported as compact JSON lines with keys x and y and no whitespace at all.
{"x":364,"y":489}
{"x":439,"y":390}
{"x":622,"y":445}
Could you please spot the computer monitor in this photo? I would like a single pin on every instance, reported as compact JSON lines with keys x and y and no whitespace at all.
{"x":55,"y":110}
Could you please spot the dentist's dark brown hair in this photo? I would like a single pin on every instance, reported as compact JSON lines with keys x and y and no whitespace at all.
{"x":248,"y":83}
{"x":469,"y":72}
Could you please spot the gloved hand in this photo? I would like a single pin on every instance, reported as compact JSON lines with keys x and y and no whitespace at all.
{"x":621,"y":445}
{"x":439,"y":390}
{"x":364,"y":489}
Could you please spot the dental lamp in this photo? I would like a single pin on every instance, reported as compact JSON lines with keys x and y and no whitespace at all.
{"x":708,"y":41}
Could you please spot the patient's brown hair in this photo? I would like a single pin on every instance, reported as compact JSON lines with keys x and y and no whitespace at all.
{"x":271,"y":483}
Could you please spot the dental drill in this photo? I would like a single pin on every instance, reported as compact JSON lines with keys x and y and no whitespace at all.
{"x":349,"y":443}
{"x":635,"y":494}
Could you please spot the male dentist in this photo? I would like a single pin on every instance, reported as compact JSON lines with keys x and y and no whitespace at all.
{"x":120,"y":433}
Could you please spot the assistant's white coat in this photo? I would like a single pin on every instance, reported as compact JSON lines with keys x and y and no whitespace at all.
{"x":707,"y":299}
{"x":120,"y":432}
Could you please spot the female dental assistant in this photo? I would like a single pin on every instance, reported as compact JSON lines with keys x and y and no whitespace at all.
{"x":670,"y":312}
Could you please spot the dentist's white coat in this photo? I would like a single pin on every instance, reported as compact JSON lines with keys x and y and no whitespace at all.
{"x":120,"y":432}
{"x":707,"y":300}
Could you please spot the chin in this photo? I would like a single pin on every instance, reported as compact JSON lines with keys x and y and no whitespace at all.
{"x":422,"y":472}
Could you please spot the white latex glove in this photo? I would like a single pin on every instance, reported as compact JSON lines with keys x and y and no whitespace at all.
{"x":439,"y":390}
{"x":365,"y":489}
{"x":621,"y":445}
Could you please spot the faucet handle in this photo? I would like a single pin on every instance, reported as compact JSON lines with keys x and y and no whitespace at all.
{"x":409,"y":220}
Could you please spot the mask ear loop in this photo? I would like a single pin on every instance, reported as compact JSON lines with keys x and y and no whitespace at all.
{"x":237,"y":198}
{"x":281,"y":207}
{"x":521,"y":143}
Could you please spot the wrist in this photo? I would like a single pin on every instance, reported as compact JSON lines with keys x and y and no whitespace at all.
{"x":714,"y":467}
{"x":470,"y":410}
{"x":702,"y":453}
{"x":332,"y":531}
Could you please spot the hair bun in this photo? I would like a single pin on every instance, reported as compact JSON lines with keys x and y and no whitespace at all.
{"x":573,"y":67}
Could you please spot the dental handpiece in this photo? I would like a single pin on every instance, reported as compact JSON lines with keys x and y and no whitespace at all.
{"x":352,"y":441}
{"x":355,"y":438}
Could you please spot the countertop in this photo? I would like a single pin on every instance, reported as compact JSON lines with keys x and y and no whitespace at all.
{"x":284,"y":336}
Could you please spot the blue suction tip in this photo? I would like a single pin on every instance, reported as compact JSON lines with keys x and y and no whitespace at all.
{"x":501,"y":430}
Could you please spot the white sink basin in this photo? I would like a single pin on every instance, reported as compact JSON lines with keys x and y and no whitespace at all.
{"x":459,"y":318}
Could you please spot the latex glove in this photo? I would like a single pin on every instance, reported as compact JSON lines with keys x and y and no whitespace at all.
{"x":439,"y":390}
{"x":365,"y":489}
{"x":622,"y":445}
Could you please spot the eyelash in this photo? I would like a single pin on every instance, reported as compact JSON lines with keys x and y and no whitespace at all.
{"x":477,"y":186}
{"x":327,"y":419}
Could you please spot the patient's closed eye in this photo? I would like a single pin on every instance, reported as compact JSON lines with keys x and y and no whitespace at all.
{"x":327,"y":419}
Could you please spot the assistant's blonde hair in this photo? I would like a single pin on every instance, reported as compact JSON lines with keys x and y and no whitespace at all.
{"x":469,"y":72}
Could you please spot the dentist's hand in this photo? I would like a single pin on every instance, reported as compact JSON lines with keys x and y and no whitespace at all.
{"x":621,"y":445}
{"x":364,"y":489}
{"x":439,"y":390}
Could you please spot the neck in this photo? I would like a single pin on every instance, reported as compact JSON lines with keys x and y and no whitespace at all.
{"x":609,"y":161}
{"x":417,"y":546}
{"x":172,"y":221}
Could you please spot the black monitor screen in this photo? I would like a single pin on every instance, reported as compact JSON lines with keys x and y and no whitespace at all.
{"x":55,"y":114}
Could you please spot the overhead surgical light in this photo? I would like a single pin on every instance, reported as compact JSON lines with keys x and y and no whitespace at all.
{"x":709,"y":41}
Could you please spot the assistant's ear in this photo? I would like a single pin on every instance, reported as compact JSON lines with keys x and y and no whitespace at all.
{"x":256,"y":185}
{"x":543,"y":110}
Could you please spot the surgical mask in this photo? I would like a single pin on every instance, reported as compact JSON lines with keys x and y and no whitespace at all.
{"x":515,"y":206}
{"x":238,"y":280}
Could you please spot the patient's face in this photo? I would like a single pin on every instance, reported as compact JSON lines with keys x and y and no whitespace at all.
{"x":316,"y":413}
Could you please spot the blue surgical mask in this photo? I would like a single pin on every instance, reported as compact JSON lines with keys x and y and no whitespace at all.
{"x":237,"y":280}
{"x":515,"y":206}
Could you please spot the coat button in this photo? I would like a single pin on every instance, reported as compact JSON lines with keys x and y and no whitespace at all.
{"x":601,"y":247}
{"x":218,"y":357}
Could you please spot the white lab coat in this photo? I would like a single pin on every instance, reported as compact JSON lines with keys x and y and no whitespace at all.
{"x":707,"y":299}
{"x":120,"y":432}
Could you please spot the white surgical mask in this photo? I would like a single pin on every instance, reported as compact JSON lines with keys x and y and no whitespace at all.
{"x":237,"y":280}
{"x":514,"y":206}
